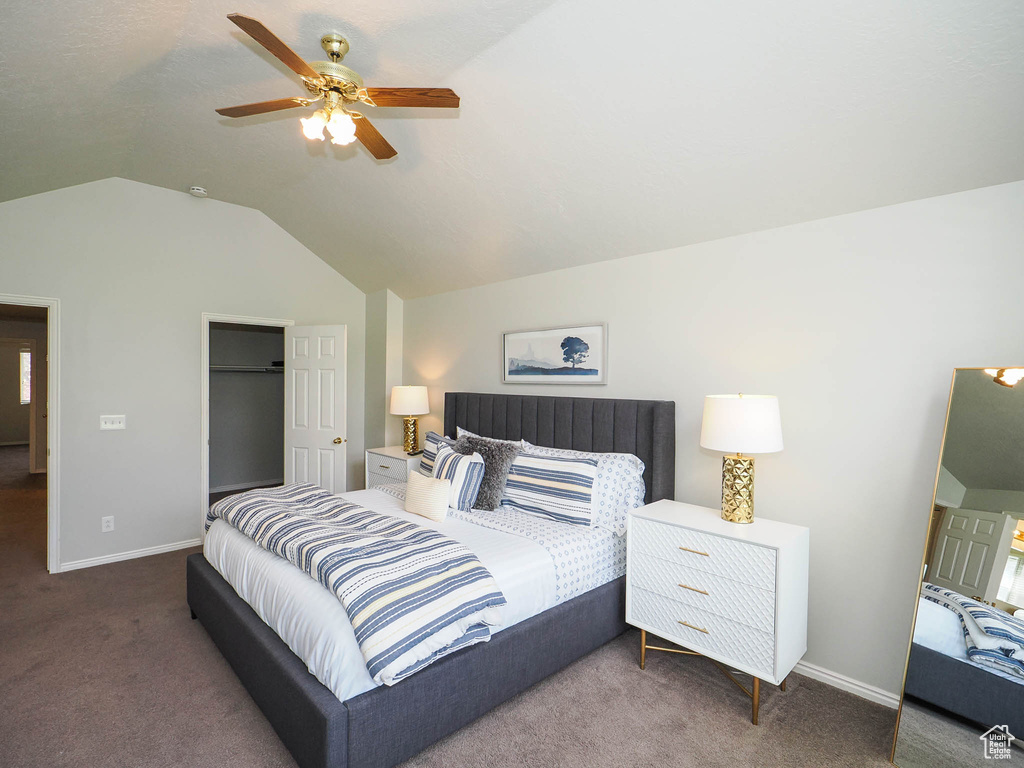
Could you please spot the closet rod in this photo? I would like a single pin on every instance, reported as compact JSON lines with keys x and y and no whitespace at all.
{"x":247,"y":368}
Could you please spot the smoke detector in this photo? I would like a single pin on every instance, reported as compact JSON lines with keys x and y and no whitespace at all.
{"x":197,"y":191}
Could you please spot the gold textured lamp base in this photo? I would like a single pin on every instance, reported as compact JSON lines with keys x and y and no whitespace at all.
{"x":410,"y":434}
{"x":738,"y":488}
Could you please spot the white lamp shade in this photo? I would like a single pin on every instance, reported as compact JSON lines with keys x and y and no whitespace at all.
{"x":409,"y":401}
{"x":741,"y":424}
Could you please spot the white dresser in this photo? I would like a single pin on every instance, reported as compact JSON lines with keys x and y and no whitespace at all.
{"x":732,"y":592}
{"x":389,"y":465}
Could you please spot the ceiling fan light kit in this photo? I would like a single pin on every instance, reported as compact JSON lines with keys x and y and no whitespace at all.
{"x":339,"y":88}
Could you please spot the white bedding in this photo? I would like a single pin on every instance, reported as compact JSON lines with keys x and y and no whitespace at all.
{"x":312,"y":622}
{"x":939,"y":628}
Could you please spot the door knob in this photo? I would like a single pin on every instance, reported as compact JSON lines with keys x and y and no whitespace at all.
{"x":338,"y":441}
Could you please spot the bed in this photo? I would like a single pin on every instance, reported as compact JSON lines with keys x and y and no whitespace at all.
{"x":386,"y":725}
{"x":940,"y":674}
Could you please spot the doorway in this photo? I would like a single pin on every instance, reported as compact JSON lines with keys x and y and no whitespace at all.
{"x":238,"y":372}
{"x":246,"y":381}
{"x":26,"y":529}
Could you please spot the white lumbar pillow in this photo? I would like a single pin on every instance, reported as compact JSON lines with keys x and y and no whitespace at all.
{"x":427,"y":496}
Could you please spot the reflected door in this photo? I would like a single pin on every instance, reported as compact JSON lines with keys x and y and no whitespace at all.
{"x":970,"y":542}
{"x":315,"y":413}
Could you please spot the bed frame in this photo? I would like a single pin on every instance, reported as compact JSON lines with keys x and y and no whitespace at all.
{"x":964,"y":690}
{"x":387,"y":725}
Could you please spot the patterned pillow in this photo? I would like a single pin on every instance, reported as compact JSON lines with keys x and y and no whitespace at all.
{"x":618,"y":487}
{"x":465,"y":473}
{"x":430,"y":445}
{"x":558,"y":487}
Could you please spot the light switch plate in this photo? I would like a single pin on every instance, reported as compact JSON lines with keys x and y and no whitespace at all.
{"x":112,"y":422}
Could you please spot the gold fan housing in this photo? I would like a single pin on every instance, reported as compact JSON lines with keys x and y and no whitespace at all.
{"x":337,"y":77}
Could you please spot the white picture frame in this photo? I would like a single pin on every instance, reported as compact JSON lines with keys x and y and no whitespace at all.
{"x":572,"y":354}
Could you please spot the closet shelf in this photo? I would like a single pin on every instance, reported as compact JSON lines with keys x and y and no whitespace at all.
{"x":248,"y":368}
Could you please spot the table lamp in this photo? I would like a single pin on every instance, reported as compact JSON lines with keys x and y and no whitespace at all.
{"x":738,"y":425}
{"x":410,"y":402}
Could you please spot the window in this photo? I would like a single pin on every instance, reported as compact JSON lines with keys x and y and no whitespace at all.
{"x":1011,"y":588}
{"x":26,"y":376}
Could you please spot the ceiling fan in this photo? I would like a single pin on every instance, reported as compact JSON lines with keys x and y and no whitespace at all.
{"x":339,"y":87}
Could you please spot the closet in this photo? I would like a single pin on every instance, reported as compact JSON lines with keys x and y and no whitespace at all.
{"x":246,"y":407}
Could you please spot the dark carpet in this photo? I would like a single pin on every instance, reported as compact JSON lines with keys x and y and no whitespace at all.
{"x":103,"y":667}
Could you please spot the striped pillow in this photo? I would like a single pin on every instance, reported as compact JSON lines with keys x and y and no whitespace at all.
{"x":430,"y":445}
{"x":427,"y":496}
{"x":558,"y":487}
{"x":618,"y":487}
{"x":465,"y":473}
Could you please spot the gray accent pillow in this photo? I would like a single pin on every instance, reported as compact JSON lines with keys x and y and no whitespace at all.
{"x":498,"y":457}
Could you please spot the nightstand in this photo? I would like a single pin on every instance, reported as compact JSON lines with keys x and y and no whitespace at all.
{"x":734,"y":593}
{"x":389,"y":465}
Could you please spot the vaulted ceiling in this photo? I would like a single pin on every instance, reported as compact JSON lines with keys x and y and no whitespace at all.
{"x":984,"y":445}
{"x":589,"y":129}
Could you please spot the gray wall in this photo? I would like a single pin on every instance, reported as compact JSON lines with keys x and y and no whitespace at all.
{"x":14,"y":417}
{"x":384,"y":330}
{"x":994,"y":500}
{"x":246,"y":408}
{"x":845,"y":319}
{"x":135,"y":266}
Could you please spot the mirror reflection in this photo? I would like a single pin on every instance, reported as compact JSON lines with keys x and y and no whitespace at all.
{"x":963,"y":697}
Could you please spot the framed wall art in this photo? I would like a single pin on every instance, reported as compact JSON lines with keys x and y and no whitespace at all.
{"x":568,"y":355}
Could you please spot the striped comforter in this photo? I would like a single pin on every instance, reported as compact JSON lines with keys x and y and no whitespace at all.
{"x":993,"y":638}
{"x":412,"y":594}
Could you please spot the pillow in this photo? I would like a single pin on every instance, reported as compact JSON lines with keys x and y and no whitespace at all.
{"x":498,"y":456}
{"x":465,"y":473}
{"x":618,"y":487}
{"x":427,"y":496}
{"x":460,"y":432}
{"x":558,"y":487}
{"x":430,"y":445}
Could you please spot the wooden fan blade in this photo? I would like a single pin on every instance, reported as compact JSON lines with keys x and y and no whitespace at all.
{"x":244,"y":110}
{"x":372,"y":140}
{"x":413,"y":97}
{"x":272,"y":43}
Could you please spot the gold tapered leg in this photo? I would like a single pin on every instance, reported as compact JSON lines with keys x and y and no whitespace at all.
{"x":643,"y":647}
{"x":756,"y":700}
{"x":782,"y":686}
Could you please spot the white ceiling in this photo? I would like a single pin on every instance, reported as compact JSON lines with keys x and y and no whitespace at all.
{"x":589,"y":129}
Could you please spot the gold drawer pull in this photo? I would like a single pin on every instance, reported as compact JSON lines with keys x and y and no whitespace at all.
{"x":695,"y":551}
{"x":699,"y":629}
{"x":384,"y":466}
{"x":692,"y":589}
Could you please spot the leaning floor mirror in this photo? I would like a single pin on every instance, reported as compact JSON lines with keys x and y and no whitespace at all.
{"x":963,"y":691}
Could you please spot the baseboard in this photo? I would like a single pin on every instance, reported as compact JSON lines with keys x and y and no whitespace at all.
{"x":16,"y":442}
{"x":848,"y":684}
{"x":247,"y":486}
{"x":89,"y":562}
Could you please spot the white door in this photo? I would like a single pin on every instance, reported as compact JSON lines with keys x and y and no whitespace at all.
{"x":968,"y":544}
{"x":314,"y":406}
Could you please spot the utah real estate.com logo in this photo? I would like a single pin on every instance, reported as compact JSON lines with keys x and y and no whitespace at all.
{"x":997,"y":741}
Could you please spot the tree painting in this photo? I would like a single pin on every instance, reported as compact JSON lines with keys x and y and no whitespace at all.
{"x":574,"y":350}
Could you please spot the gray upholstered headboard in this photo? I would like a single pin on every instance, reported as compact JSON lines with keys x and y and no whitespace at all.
{"x":645,"y":428}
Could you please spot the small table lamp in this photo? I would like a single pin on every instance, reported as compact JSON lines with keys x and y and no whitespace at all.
{"x":410,"y":402}
{"x":740,"y":424}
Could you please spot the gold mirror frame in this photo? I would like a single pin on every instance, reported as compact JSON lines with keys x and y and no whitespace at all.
{"x":924,"y":553}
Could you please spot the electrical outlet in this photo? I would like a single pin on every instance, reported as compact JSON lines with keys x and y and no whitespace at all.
{"x":112,"y":422}
{"x":107,"y":524}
